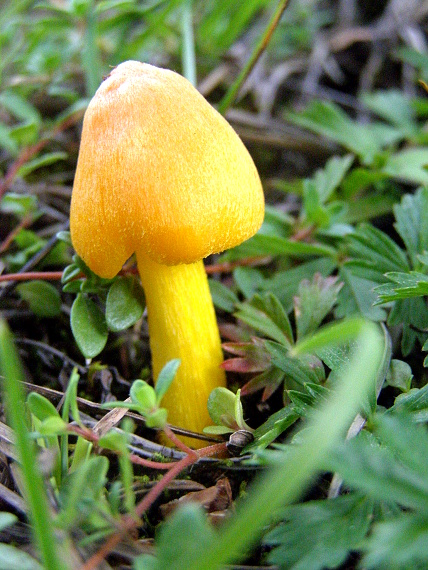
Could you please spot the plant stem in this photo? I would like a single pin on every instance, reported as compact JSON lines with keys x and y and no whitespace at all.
{"x":230,"y":96}
{"x":188,"y":50}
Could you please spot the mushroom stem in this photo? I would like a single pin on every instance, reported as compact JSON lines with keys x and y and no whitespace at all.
{"x":182,"y":324}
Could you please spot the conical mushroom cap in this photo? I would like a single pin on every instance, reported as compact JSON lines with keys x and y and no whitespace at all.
{"x":160,"y":170}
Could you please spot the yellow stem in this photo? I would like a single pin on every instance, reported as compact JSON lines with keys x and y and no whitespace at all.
{"x":182,"y":324}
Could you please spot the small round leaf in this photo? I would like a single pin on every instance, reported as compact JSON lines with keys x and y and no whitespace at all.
{"x":42,"y":298}
{"x":125,"y":303}
{"x":88,"y":326}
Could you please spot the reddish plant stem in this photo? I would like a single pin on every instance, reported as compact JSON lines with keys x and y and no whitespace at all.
{"x":24,"y":223}
{"x":32,"y":276}
{"x":229,"y":266}
{"x":226,"y":267}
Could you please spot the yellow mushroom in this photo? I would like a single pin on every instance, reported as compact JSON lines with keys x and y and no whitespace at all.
{"x":163,"y":175}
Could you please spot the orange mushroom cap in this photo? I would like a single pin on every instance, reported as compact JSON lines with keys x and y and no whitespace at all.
{"x":159,"y":169}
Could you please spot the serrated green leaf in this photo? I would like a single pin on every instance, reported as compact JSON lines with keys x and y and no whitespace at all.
{"x":284,"y":284}
{"x":266,"y":315}
{"x":88,"y":326}
{"x":42,"y":298}
{"x":414,"y":403}
{"x":404,"y":286}
{"x":357,"y":296}
{"x":320,"y":534}
{"x":393,"y":106}
{"x":125,"y":303}
{"x":408,"y":165}
{"x":412,"y":222}
{"x":329,"y":120}
{"x":369,"y":244}
{"x":300,"y":370}
{"x":329,"y":178}
{"x":313,"y":302}
{"x":248,"y":280}
{"x":165,"y":378}
{"x":412,"y":316}
{"x":390,"y":472}
{"x":187,"y":522}
{"x":398,"y":543}
{"x":273,"y":427}
{"x":223,"y":297}
{"x":262,"y":244}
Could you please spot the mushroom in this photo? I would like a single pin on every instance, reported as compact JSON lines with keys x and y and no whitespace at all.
{"x":162,"y":174}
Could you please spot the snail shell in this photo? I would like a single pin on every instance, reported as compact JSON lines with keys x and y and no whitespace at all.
{"x":238,"y":440}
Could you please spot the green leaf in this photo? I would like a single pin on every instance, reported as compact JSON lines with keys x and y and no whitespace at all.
{"x":88,"y":326}
{"x":165,"y":378}
{"x":41,"y":161}
{"x":143,"y":395}
{"x":300,"y":370}
{"x":266,"y":315}
{"x":376,"y":249}
{"x":221,"y":407}
{"x":314,"y":301}
{"x":81,"y":491}
{"x":125,"y":303}
{"x":41,"y":407}
{"x":357,"y":296}
{"x":36,"y":498}
{"x":42,"y":298}
{"x":52,"y":426}
{"x":19,"y":106}
{"x":395,"y":107}
{"x":18,"y":204}
{"x":223,"y":297}
{"x":273,"y":427}
{"x":320,"y":534}
{"x":413,"y":403}
{"x":412,"y":222}
{"x":404,"y":286}
{"x":7,"y":142}
{"x":262,"y":244}
{"x":7,"y":520}
{"x":177,"y":539}
{"x":412,"y":316}
{"x":395,"y":471}
{"x":285,"y":284}
{"x":408,"y":165}
{"x":248,"y":280}
{"x":398,"y":543}
{"x":12,"y":558}
{"x":328,"y":179}
{"x":156,"y":418}
{"x":116,"y":441}
{"x":329,"y":120}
